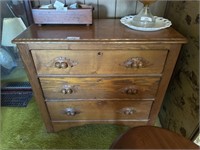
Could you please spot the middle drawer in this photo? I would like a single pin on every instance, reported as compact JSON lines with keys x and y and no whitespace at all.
{"x":100,"y":88}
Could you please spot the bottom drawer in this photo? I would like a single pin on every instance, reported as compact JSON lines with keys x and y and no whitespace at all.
{"x":99,"y":110}
{"x":64,"y":125}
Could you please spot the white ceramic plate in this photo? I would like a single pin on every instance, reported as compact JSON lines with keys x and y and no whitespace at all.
{"x":161,"y":23}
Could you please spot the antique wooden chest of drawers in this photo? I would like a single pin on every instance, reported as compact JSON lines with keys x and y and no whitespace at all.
{"x":99,"y":74}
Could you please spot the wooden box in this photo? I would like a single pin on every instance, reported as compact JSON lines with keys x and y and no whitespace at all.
{"x":71,"y":16}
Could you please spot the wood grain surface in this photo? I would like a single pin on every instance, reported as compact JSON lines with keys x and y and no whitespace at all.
{"x":142,"y":88}
{"x":148,"y":137}
{"x":100,"y":110}
{"x":106,"y":73}
{"x":99,"y":62}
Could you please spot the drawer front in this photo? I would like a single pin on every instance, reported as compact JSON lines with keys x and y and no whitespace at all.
{"x":99,"y":110}
{"x":100,"y":88}
{"x":75,"y":62}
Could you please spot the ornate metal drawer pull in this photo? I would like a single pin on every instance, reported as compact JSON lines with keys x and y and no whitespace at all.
{"x":132,"y":90}
{"x":62,"y":63}
{"x":71,"y":111}
{"x":135,"y":62}
{"x":69,"y":89}
{"x":127,"y":111}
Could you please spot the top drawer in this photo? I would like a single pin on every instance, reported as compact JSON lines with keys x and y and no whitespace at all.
{"x":88,"y":62}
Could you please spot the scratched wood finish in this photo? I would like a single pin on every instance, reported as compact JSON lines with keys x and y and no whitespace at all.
{"x":91,"y":110}
{"x":112,"y":8}
{"x":101,"y":88}
{"x":107,"y":34}
{"x":100,"y":62}
{"x":98,"y":47}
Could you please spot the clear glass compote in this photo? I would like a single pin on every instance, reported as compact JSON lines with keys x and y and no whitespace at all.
{"x":144,"y":18}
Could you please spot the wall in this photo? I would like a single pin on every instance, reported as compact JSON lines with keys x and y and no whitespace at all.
{"x":180,"y":111}
{"x":112,"y":8}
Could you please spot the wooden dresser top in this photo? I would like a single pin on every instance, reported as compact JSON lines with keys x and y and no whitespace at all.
{"x":108,"y":30}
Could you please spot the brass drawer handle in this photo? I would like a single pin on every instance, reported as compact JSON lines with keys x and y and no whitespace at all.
{"x":62,"y":65}
{"x":131,"y":90}
{"x":127,"y":111}
{"x":135,"y":62}
{"x":70,"y":111}
{"x":67,"y":91}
